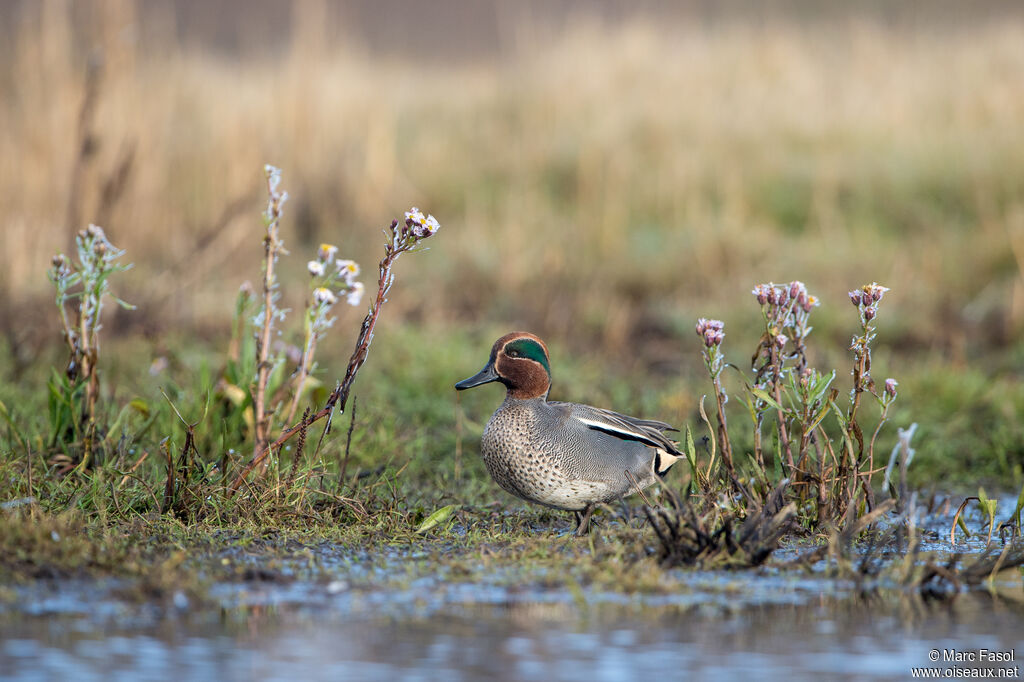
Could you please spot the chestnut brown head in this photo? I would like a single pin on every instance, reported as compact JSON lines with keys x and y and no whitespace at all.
{"x":520,"y":361}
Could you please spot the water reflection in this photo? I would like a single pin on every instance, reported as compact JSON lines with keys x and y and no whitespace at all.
{"x":837,"y":636}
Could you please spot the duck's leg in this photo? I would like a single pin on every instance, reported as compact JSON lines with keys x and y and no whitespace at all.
{"x":583,"y":518}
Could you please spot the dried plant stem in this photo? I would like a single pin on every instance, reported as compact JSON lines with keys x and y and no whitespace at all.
{"x":263,"y":351}
{"x":87,"y":358}
{"x":861,"y":377}
{"x":723,"y":431}
{"x":348,"y":443}
{"x":271,"y":249}
{"x":884,"y":417}
{"x":339,"y":396}
{"x":956,"y":518}
{"x":299,"y":449}
{"x":776,"y":363}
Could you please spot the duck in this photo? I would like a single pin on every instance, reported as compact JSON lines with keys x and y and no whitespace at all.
{"x":563,"y":455}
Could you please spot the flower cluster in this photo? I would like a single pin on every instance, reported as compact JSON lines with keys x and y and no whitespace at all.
{"x":866,"y":299}
{"x":712,"y":331}
{"x":420,"y":226}
{"x":794,"y":293}
{"x":81,"y":291}
{"x":890,"y":387}
{"x":786,"y":309}
{"x":97,"y":259}
{"x":61,"y":268}
{"x":329,"y":273}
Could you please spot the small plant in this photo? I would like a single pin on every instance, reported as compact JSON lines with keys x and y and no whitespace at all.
{"x":713,"y":333}
{"x":81,"y":291}
{"x":866,"y":300}
{"x":401,"y":238}
{"x":988,"y":507}
{"x":719,"y":538}
{"x":329,"y":279}
{"x":269,"y":313}
{"x":259,"y":364}
{"x":825,"y":477}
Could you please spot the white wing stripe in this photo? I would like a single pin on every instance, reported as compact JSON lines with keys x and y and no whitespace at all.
{"x":615,"y":428}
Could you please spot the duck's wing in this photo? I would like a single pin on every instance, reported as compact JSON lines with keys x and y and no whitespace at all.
{"x":647,"y":431}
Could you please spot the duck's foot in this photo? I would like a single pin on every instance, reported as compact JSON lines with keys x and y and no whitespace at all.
{"x":583,"y":520}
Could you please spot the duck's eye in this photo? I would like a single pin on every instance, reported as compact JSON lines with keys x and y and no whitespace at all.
{"x":512,"y":353}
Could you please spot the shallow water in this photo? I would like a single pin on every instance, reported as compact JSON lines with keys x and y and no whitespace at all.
{"x":763,"y":624}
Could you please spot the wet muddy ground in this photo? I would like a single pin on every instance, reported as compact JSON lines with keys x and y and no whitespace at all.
{"x":390,"y":614}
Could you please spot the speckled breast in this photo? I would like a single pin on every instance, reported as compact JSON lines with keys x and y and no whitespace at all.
{"x":527,"y":464}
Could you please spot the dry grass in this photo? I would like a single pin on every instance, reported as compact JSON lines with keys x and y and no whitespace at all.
{"x":615,"y":179}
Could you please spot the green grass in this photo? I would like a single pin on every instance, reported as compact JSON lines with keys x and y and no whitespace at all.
{"x":406,"y":411}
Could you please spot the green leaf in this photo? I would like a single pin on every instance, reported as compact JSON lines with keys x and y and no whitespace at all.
{"x":963,"y":526}
{"x":123,"y":304}
{"x":817,"y":420}
{"x":821,"y":386}
{"x":764,"y":396}
{"x":439,"y":516}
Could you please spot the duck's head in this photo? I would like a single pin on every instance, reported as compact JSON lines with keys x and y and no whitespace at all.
{"x":520,"y":361}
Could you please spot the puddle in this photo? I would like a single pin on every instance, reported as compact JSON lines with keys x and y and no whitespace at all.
{"x":765,"y":624}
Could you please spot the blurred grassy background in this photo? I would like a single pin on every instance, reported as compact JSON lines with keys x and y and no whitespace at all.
{"x":603,"y":177}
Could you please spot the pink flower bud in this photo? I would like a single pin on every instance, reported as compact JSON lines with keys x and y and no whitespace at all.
{"x":869,"y":313}
{"x":702,"y":325}
{"x":867,"y":298}
{"x":794,"y":289}
{"x":781,"y":340}
{"x":855,"y":297}
{"x":890,"y":387}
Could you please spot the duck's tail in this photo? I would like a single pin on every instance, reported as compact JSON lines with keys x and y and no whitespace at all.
{"x":663,"y":461}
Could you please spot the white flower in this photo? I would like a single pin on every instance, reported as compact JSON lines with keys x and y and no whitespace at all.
{"x":415,"y":215}
{"x":347,"y":269}
{"x":324,"y":295}
{"x":326,"y":252}
{"x":315,"y":267}
{"x":355,"y":294}
{"x":431,"y":225}
{"x":419,"y":224}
